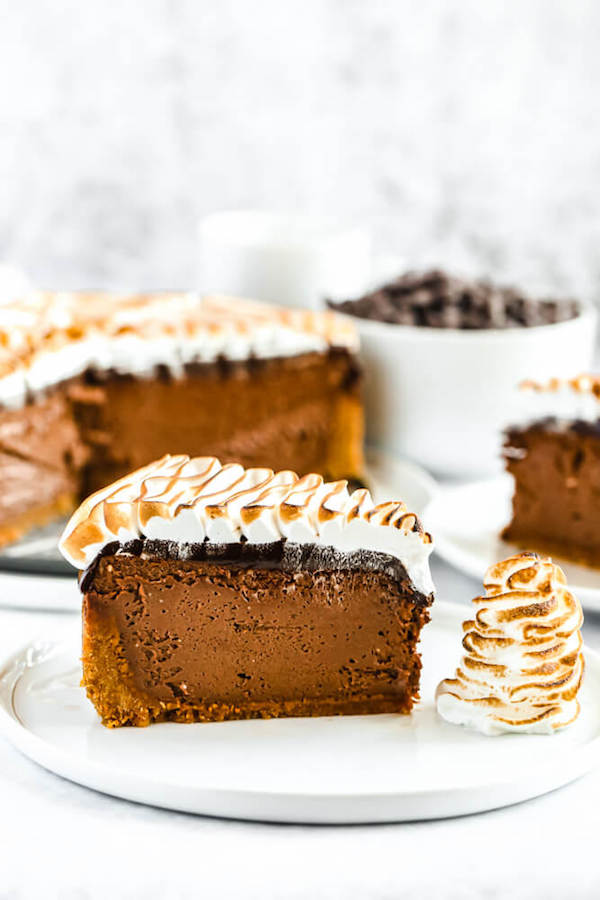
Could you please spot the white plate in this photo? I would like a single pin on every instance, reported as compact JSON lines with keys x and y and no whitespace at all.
{"x":327,"y":770}
{"x":43,"y":593}
{"x":466,"y":520}
{"x":388,"y":478}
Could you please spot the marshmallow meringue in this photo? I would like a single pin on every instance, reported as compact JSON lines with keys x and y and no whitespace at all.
{"x":563,"y":399}
{"x":523,"y":661}
{"x":191,"y":500}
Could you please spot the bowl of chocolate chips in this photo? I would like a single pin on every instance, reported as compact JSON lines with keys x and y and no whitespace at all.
{"x":444,"y":355}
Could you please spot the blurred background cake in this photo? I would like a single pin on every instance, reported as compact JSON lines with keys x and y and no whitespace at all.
{"x":93,"y":385}
{"x":553,"y":454}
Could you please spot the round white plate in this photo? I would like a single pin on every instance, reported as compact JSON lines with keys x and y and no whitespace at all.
{"x":23,"y":562}
{"x":323,"y":770}
{"x":390,"y":478}
{"x":466,"y":520}
{"x":43,"y":593}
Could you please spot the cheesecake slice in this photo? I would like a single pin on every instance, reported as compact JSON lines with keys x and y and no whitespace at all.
{"x":93,"y":386}
{"x":553,"y":455}
{"x":214,"y":592}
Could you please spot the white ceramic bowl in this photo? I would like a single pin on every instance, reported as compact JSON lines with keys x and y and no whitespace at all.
{"x":442,"y":397}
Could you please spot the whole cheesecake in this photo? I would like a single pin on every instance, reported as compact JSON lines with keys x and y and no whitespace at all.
{"x":214,"y":592}
{"x":95,"y":385}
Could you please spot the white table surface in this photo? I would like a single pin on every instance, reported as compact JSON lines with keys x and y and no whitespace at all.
{"x":59,"y":840}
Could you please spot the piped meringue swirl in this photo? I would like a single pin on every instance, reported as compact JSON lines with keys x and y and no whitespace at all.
{"x":523,"y":661}
{"x":188,"y":501}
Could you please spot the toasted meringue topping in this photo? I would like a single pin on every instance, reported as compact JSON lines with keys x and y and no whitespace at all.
{"x":581,"y":384}
{"x":191,"y":500}
{"x":523,"y":660}
{"x":563,"y":399}
{"x":47,"y":337}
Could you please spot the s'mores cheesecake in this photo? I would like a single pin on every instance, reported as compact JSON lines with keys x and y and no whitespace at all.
{"x":95,"y":385}
{"x":553,"y":454}
{"x":214,"y":592}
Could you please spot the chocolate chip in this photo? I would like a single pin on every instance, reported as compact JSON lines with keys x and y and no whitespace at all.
{"x":434,"y":299}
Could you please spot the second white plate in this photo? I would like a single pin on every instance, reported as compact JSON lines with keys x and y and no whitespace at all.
{"x":466,"y":521}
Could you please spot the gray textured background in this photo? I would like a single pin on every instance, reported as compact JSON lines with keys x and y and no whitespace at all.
{"x":465,"y":132}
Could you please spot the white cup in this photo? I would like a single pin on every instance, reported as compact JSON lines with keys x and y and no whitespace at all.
{"x":442,"y":397}
{"x":279,"y":258}
{"x":13,"y":281}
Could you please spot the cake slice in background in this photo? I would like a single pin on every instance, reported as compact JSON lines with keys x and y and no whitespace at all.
{"x":95,"y":385}
{"x":554,"y":457}
{"x":216,"y":592}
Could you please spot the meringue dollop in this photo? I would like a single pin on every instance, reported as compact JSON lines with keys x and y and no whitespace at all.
{"x":523,"y":661}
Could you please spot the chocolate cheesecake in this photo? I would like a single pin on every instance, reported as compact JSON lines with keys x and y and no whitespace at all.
{"x":554,"y":457}
{"x":214,"y":592}
{"x":95,"y":385}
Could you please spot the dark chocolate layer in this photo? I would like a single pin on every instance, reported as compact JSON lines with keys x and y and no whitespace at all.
{"x":554,"y":424}
{"x":283,"y":555}
{"x":221,"y":366}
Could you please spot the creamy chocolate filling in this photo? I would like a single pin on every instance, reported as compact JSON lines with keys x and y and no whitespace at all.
{"x":197,"y":639}
{"x":41,"y":456}
{"x":286,"y":413}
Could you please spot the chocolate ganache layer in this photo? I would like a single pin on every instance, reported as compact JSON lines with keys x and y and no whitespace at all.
{"x":283,"y":555}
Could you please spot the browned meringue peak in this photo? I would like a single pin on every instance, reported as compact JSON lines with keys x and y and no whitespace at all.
{"x":581,"y":384}
{"x":190,"y":500}
{"x":523,"y":661}
{"x":67,"y":331}
{"x":562,"y":400}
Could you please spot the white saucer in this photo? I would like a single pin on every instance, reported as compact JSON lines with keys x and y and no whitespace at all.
{"x":21,"y":563}
{"x":327,"y":770}
{"x":466,"y":521}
